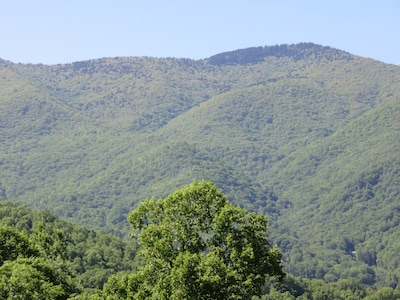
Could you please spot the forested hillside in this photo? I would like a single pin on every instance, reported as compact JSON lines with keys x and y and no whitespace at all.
{"x":306,"y":134}
{"x":43,"y":257}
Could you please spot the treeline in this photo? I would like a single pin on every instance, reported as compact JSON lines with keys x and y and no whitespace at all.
{"x":317,"y":289}
{"x":258,"y":54}
{"x":40,"y":252}
{"x":213,"y":250}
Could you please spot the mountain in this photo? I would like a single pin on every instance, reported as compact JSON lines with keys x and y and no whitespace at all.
{"x":304,"y":133}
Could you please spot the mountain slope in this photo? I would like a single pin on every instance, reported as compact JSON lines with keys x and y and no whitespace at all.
{"x":344,"y":195}
{"x":304,"y":133}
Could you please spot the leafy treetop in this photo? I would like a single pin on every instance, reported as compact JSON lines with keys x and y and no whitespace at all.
{"x":197,"y":245}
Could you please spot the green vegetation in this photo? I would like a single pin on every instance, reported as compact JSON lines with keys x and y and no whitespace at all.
{"x":304,"y":134}
{"x":196,"y":245}
{"x":317,"y":289}
{"x":40,"y":243}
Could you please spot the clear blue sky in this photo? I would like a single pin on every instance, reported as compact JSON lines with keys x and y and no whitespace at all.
{"x":63,"y":31}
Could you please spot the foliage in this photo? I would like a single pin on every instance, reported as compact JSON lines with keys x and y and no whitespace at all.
{"x":197,"y":245}
{"x":317,"y":289}
{"x":14,"y":243}
{"x":28,"y":273}
{"x":90,"y":257}
{"x":36,"y":278}
{"x":302,"y":133}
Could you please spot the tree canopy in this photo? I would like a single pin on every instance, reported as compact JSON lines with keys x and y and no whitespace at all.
{"x":43,"y":257}
{"x":197,"y":245}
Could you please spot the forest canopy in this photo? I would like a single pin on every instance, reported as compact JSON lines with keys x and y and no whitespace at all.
{"x":195,"y":244}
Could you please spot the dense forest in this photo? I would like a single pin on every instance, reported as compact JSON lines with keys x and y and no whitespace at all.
{"x":43,"y":257}
{"x":304,"y":134}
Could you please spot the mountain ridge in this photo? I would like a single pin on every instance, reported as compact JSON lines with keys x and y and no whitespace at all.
{"x":257,"y":54}
{"x":89,"y":140}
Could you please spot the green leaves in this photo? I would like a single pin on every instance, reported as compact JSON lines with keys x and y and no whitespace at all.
{"x":75,"y":252}
{"x":34,"y":267}
{"x":197,"y":245}
{"x":14,"y":243}
{"x":35,"y":278}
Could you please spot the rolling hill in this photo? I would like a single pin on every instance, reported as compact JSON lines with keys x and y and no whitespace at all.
{"x":304,"y":133}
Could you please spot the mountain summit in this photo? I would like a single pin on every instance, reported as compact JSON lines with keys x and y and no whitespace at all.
{"x":295,"y":51}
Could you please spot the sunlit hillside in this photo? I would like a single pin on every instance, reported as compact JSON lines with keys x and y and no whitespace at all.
{"x":306,"y":134}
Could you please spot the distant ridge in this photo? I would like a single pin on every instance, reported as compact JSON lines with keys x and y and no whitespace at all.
{"x":251,"y":55}
{"x":255,"y":55}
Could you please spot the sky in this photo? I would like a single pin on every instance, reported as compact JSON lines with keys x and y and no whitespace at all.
{"x":65,"y":31}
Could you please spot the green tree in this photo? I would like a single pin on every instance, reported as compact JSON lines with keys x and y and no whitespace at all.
{"x":384,"y":293}
{"x":197,"y":245}
{"x":36,"y":278}
{"x":51,"y":245}
{"x":14,"y":243}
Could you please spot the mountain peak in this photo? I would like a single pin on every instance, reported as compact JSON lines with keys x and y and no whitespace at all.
{"x":296,"y":51}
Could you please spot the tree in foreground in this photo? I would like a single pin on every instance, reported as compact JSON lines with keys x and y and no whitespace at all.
{"x":195,"y":244}
{"x":34,"y":268}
